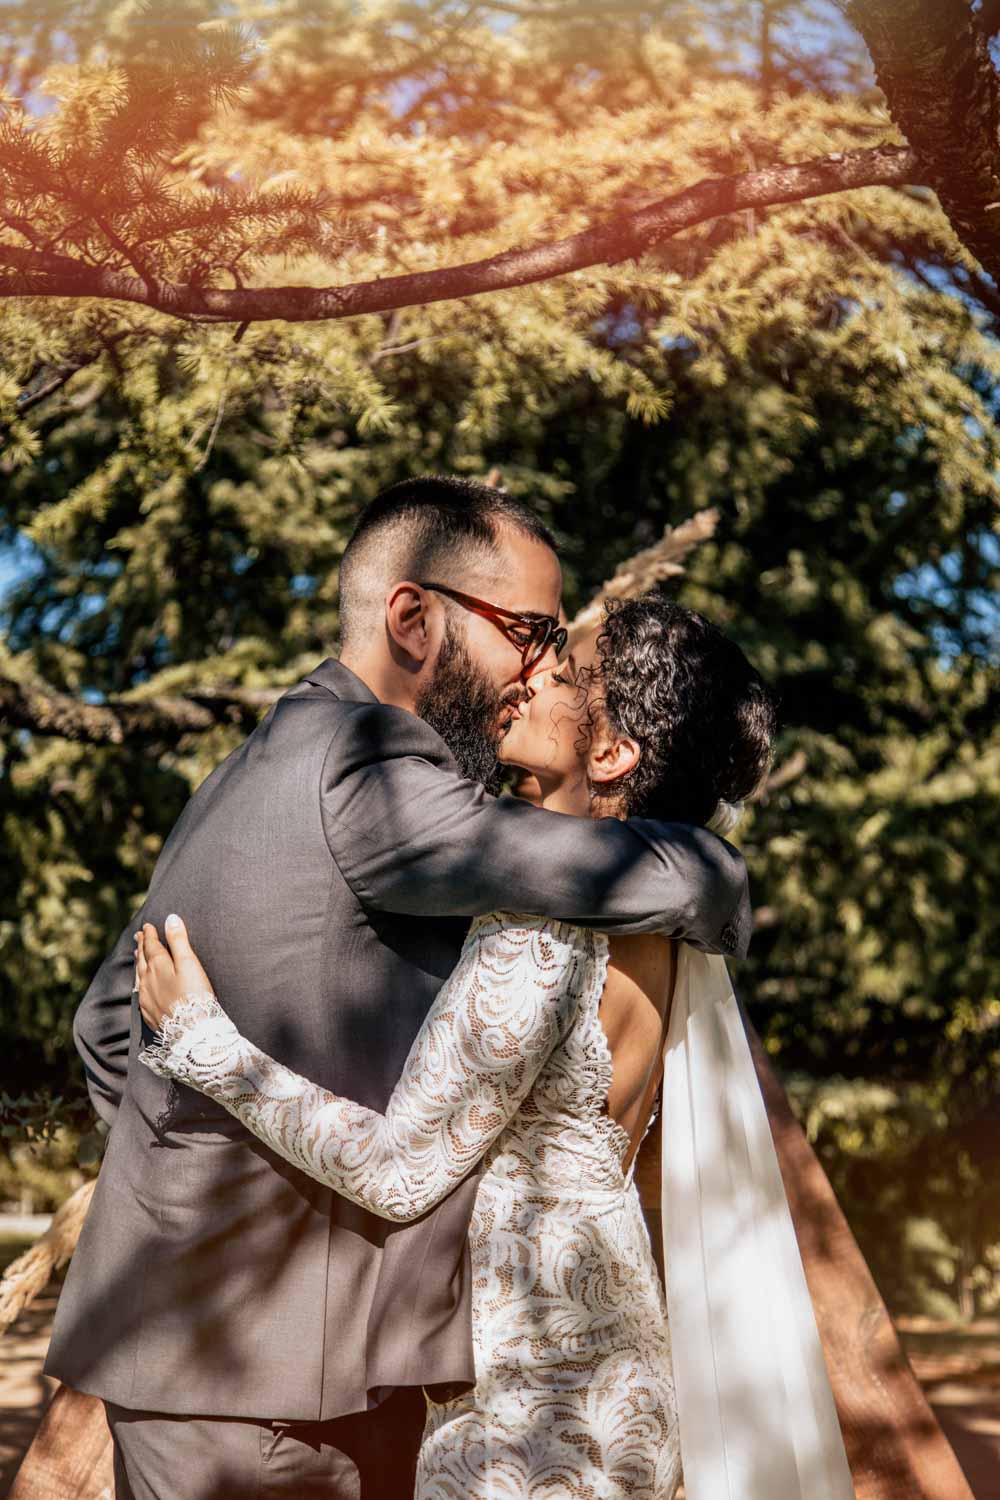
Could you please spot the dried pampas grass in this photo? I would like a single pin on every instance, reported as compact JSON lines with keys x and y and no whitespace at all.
{"x":25,"y":1277}
{"x":664,"y":559}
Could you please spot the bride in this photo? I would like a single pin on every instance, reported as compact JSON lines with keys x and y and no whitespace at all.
{"x":540,"y":1064}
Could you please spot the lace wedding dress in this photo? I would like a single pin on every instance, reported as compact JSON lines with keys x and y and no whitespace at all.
{"x":574,"y":1395}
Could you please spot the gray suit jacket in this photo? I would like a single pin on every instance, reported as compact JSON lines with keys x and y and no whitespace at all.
{"x":327,"y":871}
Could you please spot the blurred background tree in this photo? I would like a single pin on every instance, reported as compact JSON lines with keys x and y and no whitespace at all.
{"x":177,"y":493}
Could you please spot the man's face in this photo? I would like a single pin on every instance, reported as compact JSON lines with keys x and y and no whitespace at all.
{"x":477,"y":685}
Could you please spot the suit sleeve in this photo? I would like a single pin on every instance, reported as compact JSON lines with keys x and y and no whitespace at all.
{"x":103,"y":1021}
{"x":411,"y":835}
{"x":102,"y":1025}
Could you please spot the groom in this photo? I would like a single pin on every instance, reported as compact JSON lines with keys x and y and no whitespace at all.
{"x":250,"y":1332}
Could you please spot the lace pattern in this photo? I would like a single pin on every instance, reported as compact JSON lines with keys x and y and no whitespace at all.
{"x":185,"y":1037}
{"x":574,"y":1394}
{"x":472,"y":1063}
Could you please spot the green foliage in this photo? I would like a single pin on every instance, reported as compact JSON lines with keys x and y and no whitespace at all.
{"x":38,"y":1176}
{"x":923,"y":1195}
{"x":824,"y":373}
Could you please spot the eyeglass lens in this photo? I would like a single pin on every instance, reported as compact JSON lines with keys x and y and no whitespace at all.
{"x":549,"y":634}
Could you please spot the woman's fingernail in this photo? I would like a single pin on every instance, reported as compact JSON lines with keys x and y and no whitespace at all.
{"x":173,"y":920}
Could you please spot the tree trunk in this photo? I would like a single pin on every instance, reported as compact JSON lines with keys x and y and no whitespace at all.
{"x":71,"y":1455}
{"x":933,"y":64}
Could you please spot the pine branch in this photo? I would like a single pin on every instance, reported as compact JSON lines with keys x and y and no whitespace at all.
{"x":249,"y":700}
{"x":23,"y":227}
{"x":129,"y":253}
{"x":50,"y":379}
{"x":214,"y":433}
{"x":625,"y":238}
{"x":47,"y":379}
{"x":159,"y":720}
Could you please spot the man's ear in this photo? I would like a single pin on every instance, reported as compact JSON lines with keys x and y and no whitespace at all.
{"x":409,"y":625}
{"x":611,"y":759}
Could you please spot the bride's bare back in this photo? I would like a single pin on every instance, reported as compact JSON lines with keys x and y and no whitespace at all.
{"x":635,"y":1008}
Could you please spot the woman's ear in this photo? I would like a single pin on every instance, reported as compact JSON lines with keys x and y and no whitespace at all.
{"x":612,"y":759}
{"x":408,"y":624}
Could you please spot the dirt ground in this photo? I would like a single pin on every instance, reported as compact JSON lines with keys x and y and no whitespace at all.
{"x":960,"y":1371}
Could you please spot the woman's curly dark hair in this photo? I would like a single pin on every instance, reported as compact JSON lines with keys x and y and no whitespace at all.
{"x":702,"y":716}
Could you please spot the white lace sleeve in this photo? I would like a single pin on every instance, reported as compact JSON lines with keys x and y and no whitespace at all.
{"x":480,"y":1049}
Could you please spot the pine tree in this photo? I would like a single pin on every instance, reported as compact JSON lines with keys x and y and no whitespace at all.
{"x":823,"y":372}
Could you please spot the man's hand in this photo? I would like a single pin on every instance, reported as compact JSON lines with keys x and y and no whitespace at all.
{"x":165,"y":975}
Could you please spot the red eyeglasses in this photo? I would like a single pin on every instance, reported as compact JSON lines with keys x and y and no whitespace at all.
{"x":531,"y":634}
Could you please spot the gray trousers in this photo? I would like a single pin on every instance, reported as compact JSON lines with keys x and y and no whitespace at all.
{"x":367,"y":1456}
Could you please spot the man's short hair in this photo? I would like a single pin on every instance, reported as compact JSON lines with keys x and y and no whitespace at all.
{"x":437,"y":528}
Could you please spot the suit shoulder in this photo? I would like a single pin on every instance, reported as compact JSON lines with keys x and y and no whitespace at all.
{"x":369,"y":732}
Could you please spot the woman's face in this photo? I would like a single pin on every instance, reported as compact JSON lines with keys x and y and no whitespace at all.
{"x":552,"y":733}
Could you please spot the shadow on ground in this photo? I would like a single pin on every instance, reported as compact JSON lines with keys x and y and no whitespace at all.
{"x":959,"y":1370}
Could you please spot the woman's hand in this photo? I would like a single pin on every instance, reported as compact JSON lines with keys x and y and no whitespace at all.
{"x":164,"y":975}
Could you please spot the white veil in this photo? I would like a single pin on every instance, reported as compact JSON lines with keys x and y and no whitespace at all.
{"x":757,"y":1416}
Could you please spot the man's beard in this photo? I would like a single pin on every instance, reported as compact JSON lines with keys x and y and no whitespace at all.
{"x":464,"y":707}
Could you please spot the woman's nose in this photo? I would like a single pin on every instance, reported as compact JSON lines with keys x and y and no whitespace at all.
{"x":538,"y":674}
